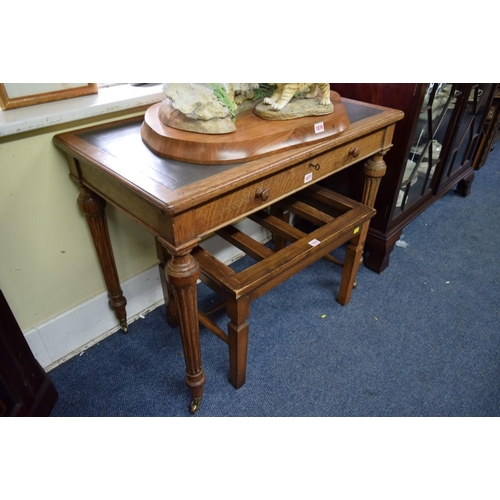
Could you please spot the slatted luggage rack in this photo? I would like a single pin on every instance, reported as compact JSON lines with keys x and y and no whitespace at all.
{"x":333,"y":219}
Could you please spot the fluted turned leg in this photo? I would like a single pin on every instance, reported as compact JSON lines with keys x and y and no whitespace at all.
{"x":93,"y":207}
{"x":182,"y":272}
{"x":374,"y":170}
{"x":168,"y":292}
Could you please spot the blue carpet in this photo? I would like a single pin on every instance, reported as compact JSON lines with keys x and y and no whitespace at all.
{"x":421,"y":339}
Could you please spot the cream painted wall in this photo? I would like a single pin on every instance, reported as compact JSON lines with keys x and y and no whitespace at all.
{"x":47,"y":259}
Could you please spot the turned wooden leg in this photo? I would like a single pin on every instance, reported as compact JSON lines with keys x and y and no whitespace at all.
{"x":168,"y":291}
{"x":238,"y":312}
{"x":92,"y":206}
{"x":182,"y":272}
{"x":374,"y":170}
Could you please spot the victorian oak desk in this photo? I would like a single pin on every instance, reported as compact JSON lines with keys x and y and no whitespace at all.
{"x":181,"y":203}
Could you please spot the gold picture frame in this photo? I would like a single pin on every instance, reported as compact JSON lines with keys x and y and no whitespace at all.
{"x":18,"y":95}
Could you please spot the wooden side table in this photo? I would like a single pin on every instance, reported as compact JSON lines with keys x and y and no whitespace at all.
{"x":181,"y":203}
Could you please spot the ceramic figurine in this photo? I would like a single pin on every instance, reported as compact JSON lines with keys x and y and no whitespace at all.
{"x":286,"y":91}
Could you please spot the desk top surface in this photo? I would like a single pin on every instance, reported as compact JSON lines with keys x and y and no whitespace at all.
{"x":118,"y":150}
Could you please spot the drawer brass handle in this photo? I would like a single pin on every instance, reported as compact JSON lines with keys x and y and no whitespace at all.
{"x":263,"y":194}
{"x":316,"y":166}
{"x":354,"y":152}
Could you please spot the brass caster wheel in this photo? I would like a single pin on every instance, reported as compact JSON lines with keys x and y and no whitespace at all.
{"x":195,"y":405}
{"x":124,"y":326}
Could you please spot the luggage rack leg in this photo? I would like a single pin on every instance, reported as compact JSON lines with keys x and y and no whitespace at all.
{"x":333,"y":219}
{"x":238,"y":312}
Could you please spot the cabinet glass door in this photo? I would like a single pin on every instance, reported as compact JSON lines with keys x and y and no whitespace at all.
{"x":468,"y":130}
{"x":427,"y":142}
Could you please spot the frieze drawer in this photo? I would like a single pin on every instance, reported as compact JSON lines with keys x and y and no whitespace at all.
{"x":237,"y":204}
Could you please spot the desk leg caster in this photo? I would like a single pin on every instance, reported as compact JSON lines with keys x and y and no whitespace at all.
{"x":195,"y":405}
{"x":124,"y":326}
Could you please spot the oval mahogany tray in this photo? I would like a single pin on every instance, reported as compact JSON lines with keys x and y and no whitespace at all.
{"x":254,"y":137}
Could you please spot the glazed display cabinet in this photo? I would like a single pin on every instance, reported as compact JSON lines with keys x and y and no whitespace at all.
{"x":433,"y":151}
{"x":491,"y":131}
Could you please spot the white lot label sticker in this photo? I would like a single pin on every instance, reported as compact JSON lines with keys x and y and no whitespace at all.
{"x":314,"y":243}
{"x":308,"y":177}
{"x":319,"y":127}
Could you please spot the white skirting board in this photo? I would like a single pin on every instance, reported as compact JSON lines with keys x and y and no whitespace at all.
{"x":77,"y":329}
